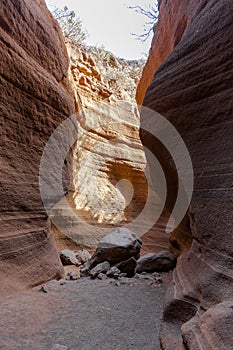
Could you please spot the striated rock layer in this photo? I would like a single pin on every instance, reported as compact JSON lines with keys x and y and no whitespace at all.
{"x":33,"y":102}
{"x":109,"y":187}
{"x":193,"y":89}
{"x":169,"y":26}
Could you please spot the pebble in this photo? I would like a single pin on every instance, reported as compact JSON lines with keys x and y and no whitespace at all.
{"x":72,"y":276}
{"x":59,"y":347}
{"x":62,"y":282}
{"x":44,"y":289}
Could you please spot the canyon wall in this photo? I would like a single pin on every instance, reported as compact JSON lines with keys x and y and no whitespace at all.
{"x":109,"y":187}
{"x":34,"y":101}
{"x":190,"y":66}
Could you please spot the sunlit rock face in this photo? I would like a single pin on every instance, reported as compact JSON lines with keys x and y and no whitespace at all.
{"x":191,"y":61}
{"x":109,"y":187}
{"x":33,"y":102}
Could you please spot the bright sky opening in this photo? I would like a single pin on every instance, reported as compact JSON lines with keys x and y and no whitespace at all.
{"x":110,"y":23}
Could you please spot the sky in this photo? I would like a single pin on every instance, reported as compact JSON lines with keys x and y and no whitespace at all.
{"x":110,"y":23}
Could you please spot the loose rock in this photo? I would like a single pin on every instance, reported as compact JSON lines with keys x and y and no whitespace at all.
{"x":72,"y":276}
{"x":83,"y":256}
{"x":161,"y":262}
{"x":114,"y":272}
{"x":128,"y":266}
{"x":44,"y":289}
{"x":59,"y":347}
{"x":68,"y":257}
{"x":85,"y":269}
{"x":100,"y":268}
{"x":142,"y":276}
{"x":102,"y":276}
{"x":62,"y":282}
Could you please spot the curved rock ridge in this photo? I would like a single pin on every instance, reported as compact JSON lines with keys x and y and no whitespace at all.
{"x":191,"y":57}
{"x":34,"y":100}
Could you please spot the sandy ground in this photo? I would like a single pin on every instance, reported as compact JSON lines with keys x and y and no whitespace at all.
{"x":84,"y":314}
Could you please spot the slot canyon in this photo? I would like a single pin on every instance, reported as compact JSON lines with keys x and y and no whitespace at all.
{"x":77,"y":165}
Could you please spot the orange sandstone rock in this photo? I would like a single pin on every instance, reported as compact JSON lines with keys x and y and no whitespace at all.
{"x":191,"y":61}
{"x":33,"y":102}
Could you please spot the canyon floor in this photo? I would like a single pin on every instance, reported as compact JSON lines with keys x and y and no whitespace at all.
{"x":85,"y":314}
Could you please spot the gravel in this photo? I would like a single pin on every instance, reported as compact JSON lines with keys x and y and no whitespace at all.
{"x":84,"y":314}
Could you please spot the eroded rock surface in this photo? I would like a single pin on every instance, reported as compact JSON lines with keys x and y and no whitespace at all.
{"x":33,"y":102}
{"x":109,"y":184}
{"x":192,"y":88}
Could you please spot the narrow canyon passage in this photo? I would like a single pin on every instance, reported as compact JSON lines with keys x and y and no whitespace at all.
{"x":120,"y":297}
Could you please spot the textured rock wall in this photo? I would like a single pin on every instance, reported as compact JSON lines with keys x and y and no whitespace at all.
{"x":33,"y":102}
{"x":171,"y":27}
{"x":193,"y":89}
{"x":108,"y":150}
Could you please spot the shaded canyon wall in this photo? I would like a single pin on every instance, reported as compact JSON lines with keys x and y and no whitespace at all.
{"x":190,"y":66}
{"x":34,"y":100}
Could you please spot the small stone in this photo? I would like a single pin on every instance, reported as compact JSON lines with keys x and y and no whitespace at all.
{"x":72,"y":276}
{"x":115,"y":283}
{"x":85,"y":270}
{"x":83,"y":256}
{"x":102,"y":276}
{"x":44,"y":289}
{"x":124,"y":282}
{"x":156,"y":274}
{"x":114,"y":272}
{"x":59,"y":347}
{"x":156,"y":285}
{"x":144,"y":276}
{"x":158,"y":279}
{"x":123,"y":274}
{"x":100,"y":268}
{"x":62,"y":282}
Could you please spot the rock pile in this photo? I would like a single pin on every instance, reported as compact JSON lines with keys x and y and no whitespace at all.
{"x":117,"y":256}
{"x":68,"y":257}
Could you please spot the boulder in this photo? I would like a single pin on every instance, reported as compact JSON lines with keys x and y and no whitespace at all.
{"x":161,"y":262}
{"x":100,"y":268}
{"x":116,"y":247}
{"x":128,"y":266}
{"x":68,"y":257}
